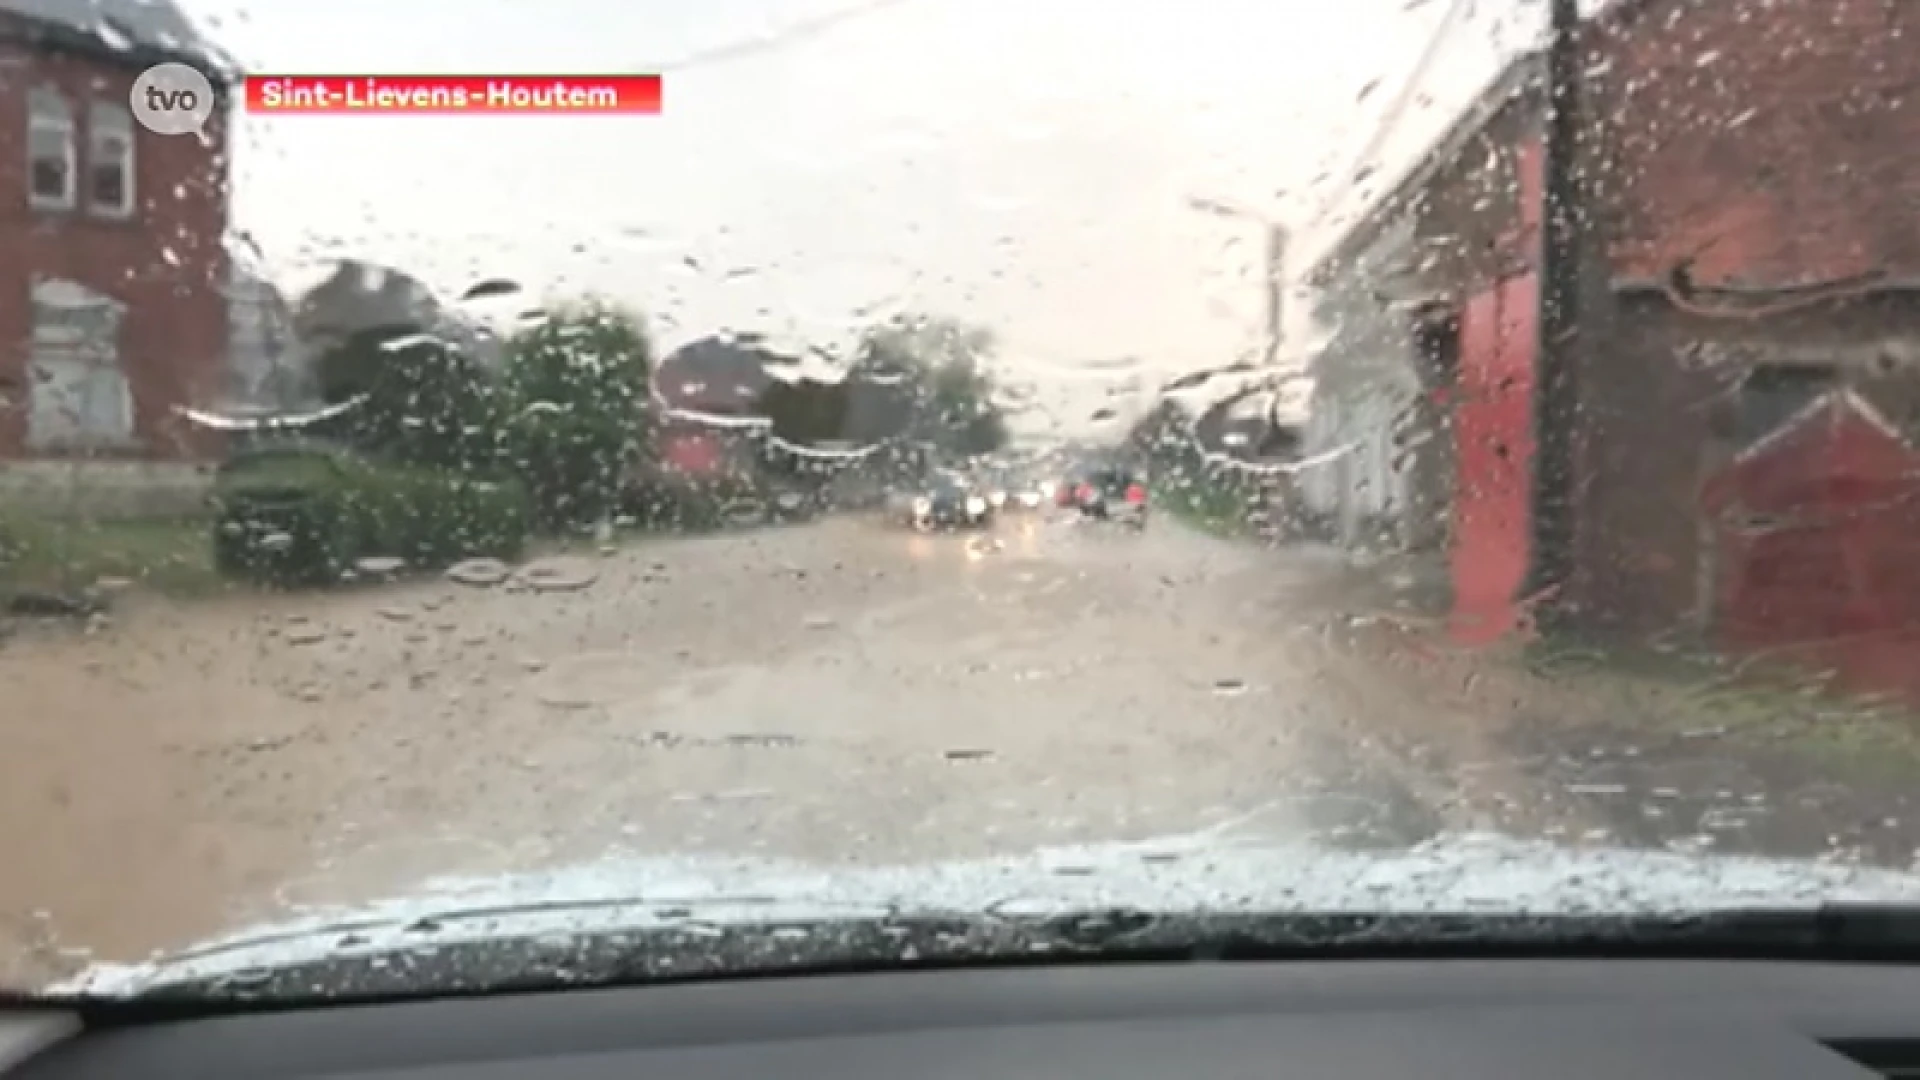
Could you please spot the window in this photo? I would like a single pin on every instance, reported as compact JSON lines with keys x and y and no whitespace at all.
{"x":110,"y":160}
{"x":50,"y":164}
{"x":80,"y":398}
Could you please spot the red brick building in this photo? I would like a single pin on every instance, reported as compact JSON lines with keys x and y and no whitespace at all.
{"x":1752,"y":216}
{"x":113,"y":306}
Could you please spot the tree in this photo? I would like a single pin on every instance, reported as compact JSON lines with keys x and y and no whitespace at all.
{"x":935,"y":383}
{"x":1164,"y":435}
{"x":581,"y":408}
{"x":421,"y":400}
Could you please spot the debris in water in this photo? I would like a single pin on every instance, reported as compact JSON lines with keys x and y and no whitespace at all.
{"x":305,"y":635}
{"x":713,"y":796}
{"x":479,"y":572}
{"x":1229,"y":687}
{"x":35,"y":602}
{"x":762,"y":740}
{"x":566,"y":701}
{"x":559,"y":574}
{"x":968,"y":754}
{"x":380,"y":565}
{"x":396,"y":614}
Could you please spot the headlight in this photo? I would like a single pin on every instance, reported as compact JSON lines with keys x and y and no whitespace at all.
{"x":922,"y":505}
{"x":976,"y":505}
{"x":998,"y":498}
{"x":1030,"y":498}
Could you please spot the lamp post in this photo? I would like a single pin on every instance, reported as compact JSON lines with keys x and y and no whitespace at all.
{"x":1276,"y":267}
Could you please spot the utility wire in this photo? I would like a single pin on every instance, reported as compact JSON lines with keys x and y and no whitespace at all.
{"x":782,"y":38}
{"x":1456,"y":16}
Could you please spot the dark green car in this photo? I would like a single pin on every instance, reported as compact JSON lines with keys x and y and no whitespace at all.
{"x":279,"y":513}
{"x":305,"y":512}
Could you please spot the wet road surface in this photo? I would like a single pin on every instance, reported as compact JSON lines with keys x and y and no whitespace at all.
{"x":845,"y":692}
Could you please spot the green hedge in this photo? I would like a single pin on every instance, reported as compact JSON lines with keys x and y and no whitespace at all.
{"x":305,"y":517}
{"x":1209,"y":496}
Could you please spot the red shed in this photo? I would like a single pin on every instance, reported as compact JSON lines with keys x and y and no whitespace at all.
{"x":1816,"y":544}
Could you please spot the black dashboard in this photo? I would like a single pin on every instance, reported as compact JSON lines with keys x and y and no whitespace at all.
{"x":1436,"y":1020}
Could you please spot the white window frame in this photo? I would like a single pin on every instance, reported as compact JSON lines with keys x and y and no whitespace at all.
{"x":109,"y":121}
{"x":81,"y":399}
{"x":49,"y":113}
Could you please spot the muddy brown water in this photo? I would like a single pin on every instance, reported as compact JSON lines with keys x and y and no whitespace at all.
{"x":837,"y":692}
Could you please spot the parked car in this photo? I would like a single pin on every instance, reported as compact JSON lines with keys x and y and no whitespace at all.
{"x":305,"y":511}
{"x":949,"y":501}
{"x":1114,"y":493}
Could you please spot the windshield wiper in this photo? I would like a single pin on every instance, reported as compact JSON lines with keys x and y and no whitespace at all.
{"x":695,"y":949}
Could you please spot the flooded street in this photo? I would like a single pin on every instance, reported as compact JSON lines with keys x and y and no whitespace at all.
{"x":844,"y":694}
{"x":845,"y":691}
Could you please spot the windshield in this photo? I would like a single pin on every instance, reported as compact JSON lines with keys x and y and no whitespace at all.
{"x":440,"y":484}
{"x":1111,"y":480}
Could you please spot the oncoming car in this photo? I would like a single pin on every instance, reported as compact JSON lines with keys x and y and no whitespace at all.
{"x":950,"y":501}
{"x":1014,"y":491}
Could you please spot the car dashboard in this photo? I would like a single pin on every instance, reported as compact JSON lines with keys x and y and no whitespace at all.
{"x":1436,"y":1020}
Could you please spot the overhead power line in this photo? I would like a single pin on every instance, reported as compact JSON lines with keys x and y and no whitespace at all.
{"x":782,"y":38}
{"x":1455,"y":17}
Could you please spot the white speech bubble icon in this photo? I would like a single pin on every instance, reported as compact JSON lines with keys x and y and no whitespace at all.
{"x":172,"y":99}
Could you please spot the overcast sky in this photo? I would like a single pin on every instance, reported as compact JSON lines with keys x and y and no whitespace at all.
{"x":1027,"y":165}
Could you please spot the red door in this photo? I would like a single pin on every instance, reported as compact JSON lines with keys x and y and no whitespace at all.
{"x":1493,"y":452}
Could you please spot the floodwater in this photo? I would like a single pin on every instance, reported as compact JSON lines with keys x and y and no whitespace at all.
{"x":844,"y":693}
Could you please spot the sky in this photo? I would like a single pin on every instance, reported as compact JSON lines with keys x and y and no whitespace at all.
{"x":1031,"y":166}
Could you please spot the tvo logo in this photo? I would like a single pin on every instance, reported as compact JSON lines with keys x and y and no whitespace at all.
{"x":172,"y":99}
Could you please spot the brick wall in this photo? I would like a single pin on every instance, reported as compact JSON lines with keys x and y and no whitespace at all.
{"x":1658,"y":427}
{"x":167,"y":264}
{"x":1771,"y":140}
{"x":1772,"y":144}
{"x":1774,"y":139}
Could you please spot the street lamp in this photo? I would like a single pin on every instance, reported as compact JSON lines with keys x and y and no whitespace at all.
{"x":1276,"y":265}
